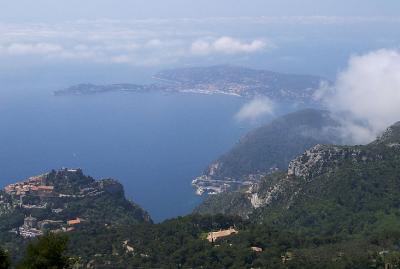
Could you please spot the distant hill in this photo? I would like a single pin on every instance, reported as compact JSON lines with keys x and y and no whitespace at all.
{"x":268,"y":149}
{"x":89,"y":88}
{"x":241,"y":81}
{"x":222,"y":79}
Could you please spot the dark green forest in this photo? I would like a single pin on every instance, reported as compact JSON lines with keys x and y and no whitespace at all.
{"x":338,"y":208}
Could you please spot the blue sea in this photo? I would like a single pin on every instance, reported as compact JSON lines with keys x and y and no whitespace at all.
{"x":153,"y":143}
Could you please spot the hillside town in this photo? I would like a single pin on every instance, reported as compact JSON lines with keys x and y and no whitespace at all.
{"x":33,"y":186}
{"x":39,"y":193}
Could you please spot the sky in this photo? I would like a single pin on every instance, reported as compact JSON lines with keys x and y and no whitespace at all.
{"x":80,"y":40}
{"x":352,"y":43}
{"x":50,"y":10}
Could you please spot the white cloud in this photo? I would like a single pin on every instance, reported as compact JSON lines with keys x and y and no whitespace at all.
{"x":366,"y":94}
{"x":230,"y":45}
{"x":227,"y":45}
{"x":167,"y":40}
{"x":254,"y":109}
{"x":201,"y":47}
{"x":31,"y":48}
{"x":138,"y":42}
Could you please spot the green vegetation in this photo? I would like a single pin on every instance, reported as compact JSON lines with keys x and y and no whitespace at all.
{"x":277,"y":143}
{"x":96,"y":204}
{"x":229,"y":203}
{"x":174,"y":243}
{"x":337,"y":208}
{"x":180,"y":243}
{"x":340,"y":211}
{"x":47,"y":252}
{"x":236,"y":202}
{"x":273,"y":146}
{"x":5,"y":261}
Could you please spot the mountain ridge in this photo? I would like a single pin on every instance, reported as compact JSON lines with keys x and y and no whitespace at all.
{"x":315,"y":166}
{"x":268,"y":149}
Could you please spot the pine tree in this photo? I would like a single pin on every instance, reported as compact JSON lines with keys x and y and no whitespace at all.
{"x":4,"y":259}
{"x":46,"y":252}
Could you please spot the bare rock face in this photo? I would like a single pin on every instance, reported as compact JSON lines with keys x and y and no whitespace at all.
{"x":323,"y":158}
{"x":262,"y":199}
{"x":314,"y":161}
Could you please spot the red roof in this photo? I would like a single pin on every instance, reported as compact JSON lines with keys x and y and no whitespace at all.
{"x":74,"y":221}
{"x":46,"y":188}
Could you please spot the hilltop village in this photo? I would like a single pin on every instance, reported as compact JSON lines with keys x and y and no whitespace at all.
{"x":36,"y":193}
{"x":57,"y":201}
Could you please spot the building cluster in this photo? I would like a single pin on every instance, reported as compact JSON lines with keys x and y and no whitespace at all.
{"x":31,"y":194}
{"x":33,"y":185}
{"x":213,"y":236}
{"x":33,"y":228}
{"x":36,"y":193}
{"x":211,"y":88}
{"x":29,"y":229}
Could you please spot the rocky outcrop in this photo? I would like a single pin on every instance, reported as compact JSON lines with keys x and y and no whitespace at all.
{"x":314,"y":161}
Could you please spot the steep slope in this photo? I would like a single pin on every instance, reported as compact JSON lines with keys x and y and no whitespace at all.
{"x":327,"y":189}
{"x":268,"y":149}
{"x":335,"y":207}
{"x":334,"y":189}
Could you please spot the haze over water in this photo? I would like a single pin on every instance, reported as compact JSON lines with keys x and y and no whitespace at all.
{"x":155,"y":144}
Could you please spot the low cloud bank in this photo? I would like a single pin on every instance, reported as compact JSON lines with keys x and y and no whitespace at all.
{"x":137,"y":43}
{"x":254,"y":109}
{"x":366,"y":95}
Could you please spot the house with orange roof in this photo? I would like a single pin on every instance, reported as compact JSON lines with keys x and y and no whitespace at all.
{"x":45,"y":188}
{"x":74,"y":221}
